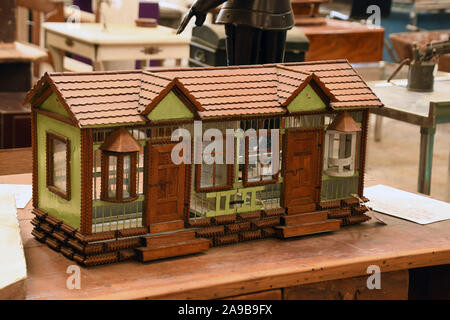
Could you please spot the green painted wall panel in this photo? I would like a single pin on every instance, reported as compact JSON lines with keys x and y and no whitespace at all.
{"x":67,"y":211}
{"x":52,"y":105}
{"x":307,"y":100}
{"x":170,"y":108}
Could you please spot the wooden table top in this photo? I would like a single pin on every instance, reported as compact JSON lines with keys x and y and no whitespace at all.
{"x":93,"y":33}
{"x":339,"y":27}
{"x":12,"y":102}
{"x":243,"y":268}
{"x":18,"y":51}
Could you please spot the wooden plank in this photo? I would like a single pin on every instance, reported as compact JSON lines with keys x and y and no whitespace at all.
{"x":166,"y":226}
{"x":172,"y":249}
{"x":170,"y":237}
{"x":301,"y":208}
{"x":15,"y":161}
{"x":394,"y":286}
{"x":308,"y":228}
{"x":304,"y":218}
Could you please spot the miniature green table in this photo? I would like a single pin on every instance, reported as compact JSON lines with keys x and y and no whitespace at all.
{"x":425,"y":109}
{"x":328,"y":266}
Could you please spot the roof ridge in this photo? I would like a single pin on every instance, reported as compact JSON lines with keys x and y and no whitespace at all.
{"x":93,"y":72}
{"x":283,"y":67}
{"x":154,"y":74}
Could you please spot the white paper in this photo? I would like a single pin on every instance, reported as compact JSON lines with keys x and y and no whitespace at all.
{"x":22,"y":193}
{"x":12,"y":258}
{"x":406,"y":205}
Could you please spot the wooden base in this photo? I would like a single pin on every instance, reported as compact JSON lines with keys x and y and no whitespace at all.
{"x":301,"y":209}
{"x":305,"y":218}
{"x":166,"y":226}
{"x":307,"y":228}
{"x":173,"y":249}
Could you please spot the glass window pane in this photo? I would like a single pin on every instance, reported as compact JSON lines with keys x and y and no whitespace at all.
{"x":221,"y":174}
{"x":207,"y":172}
{"x":126,"y":177}
{"x":59,"y":164}
{"x":112,"y":176}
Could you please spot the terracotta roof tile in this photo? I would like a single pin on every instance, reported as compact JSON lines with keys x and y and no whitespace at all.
{"x":105,"y":98}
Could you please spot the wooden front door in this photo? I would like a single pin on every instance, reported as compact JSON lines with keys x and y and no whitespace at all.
{"x":302,"y":169}
{"x":166,"y":185}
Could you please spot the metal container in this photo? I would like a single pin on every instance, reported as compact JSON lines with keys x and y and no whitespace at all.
{"x":208,"y":46}
{"x":421,"y":77}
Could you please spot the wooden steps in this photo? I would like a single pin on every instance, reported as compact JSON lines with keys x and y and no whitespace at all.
{"x":171,"y":244}
{"x":174,"y":249}
{"x":307,"y":228}
{"x":305,"y":218}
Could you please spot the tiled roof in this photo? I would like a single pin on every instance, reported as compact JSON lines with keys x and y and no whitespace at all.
{"x":104,"y":98}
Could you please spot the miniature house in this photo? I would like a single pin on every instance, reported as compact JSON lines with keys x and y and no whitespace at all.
{"x":106,"y":189}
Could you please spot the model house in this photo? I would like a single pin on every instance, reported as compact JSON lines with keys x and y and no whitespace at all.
{"x":106,"y":188}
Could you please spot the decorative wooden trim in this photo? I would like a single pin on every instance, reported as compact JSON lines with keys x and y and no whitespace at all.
{"x":56,"y":117}
{"x":42,"y":97}
{"x":363,"y":152}
{"x":34,"y":158}
{"x":46,"y":80}
{"x":319,"y":87}
{"x":147,"y":172}
{"x":187,"y":193}
{"x":320,"y":165}
{"x":49,"y":164}
{"x":182,"y":93}
{"x":86,"y":181}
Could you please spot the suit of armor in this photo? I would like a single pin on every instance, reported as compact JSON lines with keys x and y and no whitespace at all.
{"x":255,"y":29}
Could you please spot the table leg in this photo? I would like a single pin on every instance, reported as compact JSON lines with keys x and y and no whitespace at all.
{"x":58,"y":58}
{"x":98,"y":66}
{"x":378,"y":123}
{"x":426,"y":159}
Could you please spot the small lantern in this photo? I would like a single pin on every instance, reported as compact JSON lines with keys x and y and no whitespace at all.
{"x":340,"y":146}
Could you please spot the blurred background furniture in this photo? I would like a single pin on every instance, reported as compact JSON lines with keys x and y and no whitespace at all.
{"x":424,"y":109}
{"x":343,"y":38}
{"x":16,"y":62}
{"x":117,"y":43}
{"x":207,"y":47}
{"x":402,"y":43}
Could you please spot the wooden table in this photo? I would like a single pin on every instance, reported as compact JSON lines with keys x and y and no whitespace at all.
{"x":330,"y":266}
{"x":424,"y":109}
{"x":118,"y":42}
{"x":344,"y":40}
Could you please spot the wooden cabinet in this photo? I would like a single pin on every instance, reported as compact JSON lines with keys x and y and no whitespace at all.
{"x":15,"y":121}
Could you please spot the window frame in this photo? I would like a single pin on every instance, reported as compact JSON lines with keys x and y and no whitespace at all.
{"x":105,"y":155}
{"x":198,"y":173}
{"x":261,"y":182}
{"x":50,"y":136}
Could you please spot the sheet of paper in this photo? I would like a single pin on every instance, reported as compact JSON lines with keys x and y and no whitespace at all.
{"x":22,"y":193}
{"x":406,"y":205}
{"x":12,"y":258}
